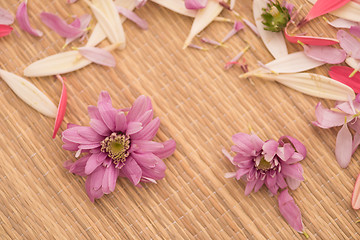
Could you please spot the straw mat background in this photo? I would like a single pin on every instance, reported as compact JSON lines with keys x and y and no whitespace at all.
{"x":200,"y":105}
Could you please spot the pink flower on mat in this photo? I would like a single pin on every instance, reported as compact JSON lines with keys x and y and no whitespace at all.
{"x":117,"y":145}
{"x":273,"y":163}
{"x":345,"y":114}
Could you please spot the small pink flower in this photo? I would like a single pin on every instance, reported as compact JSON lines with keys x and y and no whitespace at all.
{"x":273,"y":163}
{"x":344,"y":114}
{"x":117,"y":145}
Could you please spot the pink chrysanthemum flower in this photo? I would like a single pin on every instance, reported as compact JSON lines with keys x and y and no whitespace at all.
{"x":117,"y":145}
{"x":273,"y":163}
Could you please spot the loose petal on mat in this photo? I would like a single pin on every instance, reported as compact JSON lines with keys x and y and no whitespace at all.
{"x":236,"y":58}
{"x":322,"y":7}
{"x":310,"y":40}
{"x":290,"y":211}
{"x":59,"y":25}
{"x":84,"y":22}
{"x":251,"y":26}
{"x":133,"y":17}
{"x":5,"y":30}
{"x":98,"y":55}
{"x":177,"y":6}
{"x":197,"y":47}
{"x":60,"y":63}
{"x":61,"y":107}
{"x":5,"y":17}
{"x":355,"y":30}
{"x":23,"y":20}
{"x":352,"y":62}
{"x":291,"y":63}
{"x":210,"y":41}
{"x":342,"y":73}
{"x":29,"y":93}
{"x":274,"y":41}
{"x":349,"y":44}
{"x":237,"y":27}
{"x":343,"y":149}
{"x":311,"y":84}
{"x":195,"y":4}
{"x":106,"y":13}
{"x":350,"y":11}
{"x":232,"y":4}
{"x":140,"y":3}
{"x":355,"y":199}
{"x":342,"y":23}
{"x":202,"y":19}
{"x":325,"y":54}
{"x":71,"y":1}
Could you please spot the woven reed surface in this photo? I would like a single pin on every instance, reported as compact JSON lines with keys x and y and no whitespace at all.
{"x":200,"y":105}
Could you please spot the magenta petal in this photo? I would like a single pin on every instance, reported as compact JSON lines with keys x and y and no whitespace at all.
{"x":98,"y":55}
{"x":107,"y":112}
{"x":299,"y":147}
{"x":269,"y":149}
{"x":133,"y":17}
{"x":77,"y":167}
{"x":23,"y":20}
{"x":149,"y":131}
{"x":59,"y":25}
{"x":342,"y":73}
{"x":94,"y":112}
{"x":82,"y":23}
{"x":356,"y":142}
{"x":167,"y":150}
{"x":293,"y":183}
{"x":61,"y":108}
{"x":322,"y":7}
{"x":195,"y":4}
{"x":343,"y":149}
{"x":290,"y":211}
{"x":143,"y":146}
{"x":100,"y":127}
{"x":94,"y":161}
{"x":250,"y":186}
{"x":355,"y":30}
{"x":237,"y":27}
{"x":349,"y":44}
{"x":5,"y":17}
{"x":140,"y":106}
{"x":294,"y":171}
{"x":325,"y":54}
{"x":285,"y":152}
{"x":109,"y":180}
{"x":310,"y":40}
{"x":132,"y":171}
{"x":5,"y":30}
{"x":327,"y":118}
{"x":120,"y":122}
{"x":146,"y":160}
{"x":156,"y":173}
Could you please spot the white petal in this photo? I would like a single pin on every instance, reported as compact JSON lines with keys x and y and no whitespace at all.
{"x":29,"y":94}
{"x":352,"y":62}
{"x":312,"y":84}
{"x":350,"y":11}
{"x":177,"y":6}
{"x":203,"y":18}
{"x":274,"y":41}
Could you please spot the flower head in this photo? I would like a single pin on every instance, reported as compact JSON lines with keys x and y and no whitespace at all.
{"x":117,"y":145}
{"x":273,"y":163}
{"x":275,"y":16}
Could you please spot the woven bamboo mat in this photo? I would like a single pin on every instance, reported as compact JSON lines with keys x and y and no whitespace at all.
{"x":200,"y":105}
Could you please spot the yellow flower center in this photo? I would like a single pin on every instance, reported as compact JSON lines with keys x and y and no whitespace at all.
{"x":263,"y":165}
{"x":116,"y":146}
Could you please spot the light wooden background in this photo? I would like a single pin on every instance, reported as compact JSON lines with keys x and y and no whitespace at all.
{"x":200,"y":105}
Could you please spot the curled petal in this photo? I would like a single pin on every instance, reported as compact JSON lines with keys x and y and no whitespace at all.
{"x":343,"y":149}
{"x":5,"y":30}
{"x":5,"y":17}
{"x":299,"y":147}
{"x":310,"y":40}
{"x":195,"y":4}
{"x":327,"y":118}
{"x":61,"y":107}
{"x":133,"y":17}
{"x":23,"y":20}
{"x":290,"y":211}
{"x":98,"y":55}
{"x":325,"y":54}
{"x":59,"y":25}
{"x":355,"y":199}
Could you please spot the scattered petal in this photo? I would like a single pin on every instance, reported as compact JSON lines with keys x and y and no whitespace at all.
{"x":84,"y":22}
{"x":310,"y":40}
{"x":322,"y":7}
{"x":341,"y":74}
{"x":59,"y":25}
{"x":5,"y":30}
{"x":355,"y":30}
{"x":343,"y":149}
{"x":355,"y":199}
{"x":5,"y":17}
{"x":251,"y":26}
{"x":140,"y":3}
{"x":23,"y":20}
{"x":237,"y":27}
{"x":197,"y":47}
{"x":236,"y":58}
{"x":195,"y":4}
{"x":342,"y":23}
{"x":29,"y":93}
{"x":98,"y":55}
{"x":176,"y":6}
{"x":133,"y":17}
{"x":325,"y":54}
{"x":290,"y":211}
{"x":61,"y":107}
{"x":350,"y":11}
{"x":71,"y":1}
{"x":210,"y":41}
{"x":349,"y":44}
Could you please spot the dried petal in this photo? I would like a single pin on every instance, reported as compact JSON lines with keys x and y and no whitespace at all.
{"x":322,"y":7}
{"x":342,"y":23}
{"x":349,"y":44}
{"x":195,"y":4}
{"x":350,"y":11}
{"x":210,"y":41}
{"x":325,"y":54}
{"x":236,"y":58}
{"x":61,"y":107}
{"x":5,"y":17}
{"x":83,"y":23}
{"x":202,"y":19}
{"x":311,"y":84}
{"x":29,"y":93}
{"x":251,"y":26}
{"x":342,"y":73}
{"x":274,"y":41}
{"x":237,"y":27}
{"x":23,"y":20}
{"x":290,"y":211}
{"x":59,"y":25}
{"x":5,"y":30}
{"x":310,"y":40}
{"x":98,"y":55}
{"x":133,"y":17}
{"x":355,"y":199}
{"x":343,"y":149}
{"x":176,"y":6}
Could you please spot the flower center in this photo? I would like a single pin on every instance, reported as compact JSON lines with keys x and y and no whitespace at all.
{"x":263,"y":165}
{"x":116,"y":146}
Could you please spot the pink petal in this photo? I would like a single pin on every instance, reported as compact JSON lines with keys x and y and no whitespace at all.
{"x":120,"y":122}
{"x":93,"y":184}
{"x":195,"y":4}
{"x":156,"y":173}
{"x":133,"y":127}
{"x":23,"y":20}
{"x":140,"y":3}
{"x":100,"y":127}
{"x":355,"y":30}
{"x":149,"y":131}
{"x":356,"y":142}
{"x":310,"y":40}
{"x":294,"y":171}
{"x":349,"y":44}
{"x":285,"y":152}
{"x":270,"y":148}
{"x":343,"y":149}
{"x":82,"y":23}
{"x":299,"y":147}
{"x":293,"y":183}
{"x":355,"y":199}
{"x":5,"y":17}
{"x":132,"y":171}
{"x":140,"y":106}
{"x":327,"y":118}
{"x":142,"y":146}
{"x":59,"y":25}
{"x":94,"y":161}
{"x":210,"y":41}
{"x":98,"y":55}
{"x":251,"y":26}
{"x":107,"y":112}
{"x":325,"y":54}
{"x":236,"y":58}
{"x":5,"y":30}
{"x":341,"y":74}
{"x":250,"y":186}
{"x":71,"y":1}
{"x":290,"y":211}
{"x":168,"y":149}
{"x":133,"y":17}
{"x":146,"y":160}
{"x":61,"y":108}
{"x":237,"y":27}
{"x":77,"y":167}
{"x":109,"y":180}
{"x":322,"y":7}
{"x":342,"y":23}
